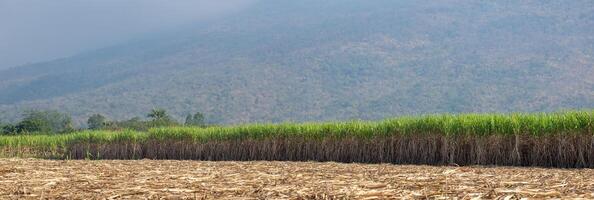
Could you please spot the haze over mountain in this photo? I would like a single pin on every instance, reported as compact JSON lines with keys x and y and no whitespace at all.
{"x":40,"y":30}
{"x":331,"y":60}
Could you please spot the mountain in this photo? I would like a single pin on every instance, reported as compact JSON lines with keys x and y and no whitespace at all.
{"x":312,"y":60}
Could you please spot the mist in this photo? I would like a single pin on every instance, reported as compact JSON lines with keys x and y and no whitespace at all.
{"x":40,"y":30}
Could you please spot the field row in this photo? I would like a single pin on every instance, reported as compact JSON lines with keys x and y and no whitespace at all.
{"x":545,"y":139}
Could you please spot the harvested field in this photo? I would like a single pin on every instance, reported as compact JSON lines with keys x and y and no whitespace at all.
{"x":139,"y":179}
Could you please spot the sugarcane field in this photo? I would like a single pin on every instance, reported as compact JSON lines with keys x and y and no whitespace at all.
{"x":296,"y":99}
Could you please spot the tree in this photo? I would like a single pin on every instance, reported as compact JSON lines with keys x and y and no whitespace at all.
{"x":189,"y":119}
{"x":195,"y":120}
{"x":45,"y":121}
{"x":158,"y":114}
{"x":96,"y":122}
{"x":134,"y":123}
{"x":8,"y":129}
{"x":160,"y":118}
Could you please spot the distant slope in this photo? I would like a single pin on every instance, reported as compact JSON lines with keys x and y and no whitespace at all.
{"x":333,"y":59}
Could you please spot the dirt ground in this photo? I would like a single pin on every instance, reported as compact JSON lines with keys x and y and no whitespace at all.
{"x":148,"y":179}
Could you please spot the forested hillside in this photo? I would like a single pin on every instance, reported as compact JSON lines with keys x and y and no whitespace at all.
{"x":328,"y":60}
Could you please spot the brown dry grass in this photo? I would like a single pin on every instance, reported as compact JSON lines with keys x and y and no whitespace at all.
{"x":79,"y":179}
{"x":563,"y":151}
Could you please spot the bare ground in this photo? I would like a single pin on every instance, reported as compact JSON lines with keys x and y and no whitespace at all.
{"x":148,"y":179}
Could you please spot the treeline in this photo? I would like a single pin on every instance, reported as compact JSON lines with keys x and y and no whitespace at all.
{"x":54,"y":122}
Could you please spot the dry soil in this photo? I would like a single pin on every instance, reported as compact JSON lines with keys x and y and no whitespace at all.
{"x":153,"y":179}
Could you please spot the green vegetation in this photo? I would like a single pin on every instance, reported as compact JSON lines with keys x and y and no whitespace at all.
{"x":540,"y":124}
{"x":161,"y":118}
{"x":39,"y":122}
{"x":157,"y":118}
{"x":40,"y":141}
{"x":497,"y":136}
{"x":465,"y":124}
{"x":53,"y":122}
{"x":96,"y":122}
{"x":195,"y":120}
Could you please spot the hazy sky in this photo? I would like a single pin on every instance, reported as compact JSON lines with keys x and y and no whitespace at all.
{"x":38,"y":30}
